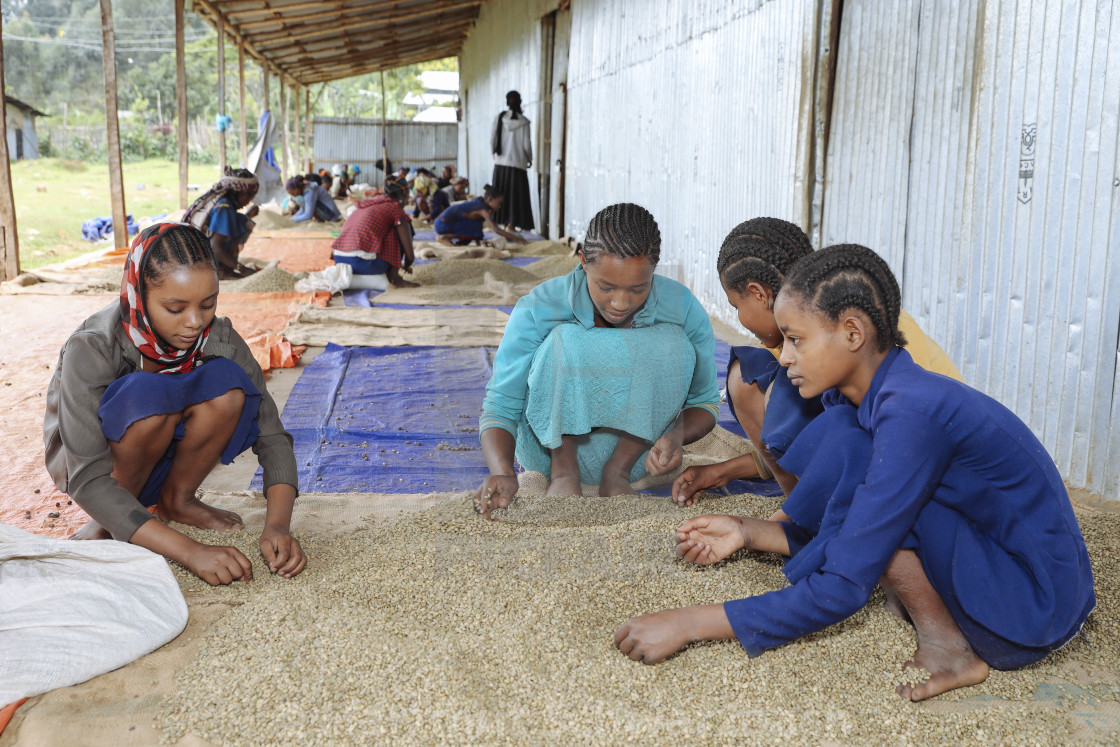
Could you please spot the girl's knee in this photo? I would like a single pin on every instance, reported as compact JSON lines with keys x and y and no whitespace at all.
{"x":225,"y":406}
{"x":146,"y":429}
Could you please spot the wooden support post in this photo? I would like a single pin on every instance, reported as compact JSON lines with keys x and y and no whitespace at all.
{"x":384,"y":134}
{"x":299,"y":135}
{"x":284,"y":90}
{"x":9,"y":239}
{"x":266,"y":94}
{"x":307,"y":131}
{"x":241,"y":102}
{"x":112,"y":128}
{"x":181,"y":101}
{"x":221,"y":94}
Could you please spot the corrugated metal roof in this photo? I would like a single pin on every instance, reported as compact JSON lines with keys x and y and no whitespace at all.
{"x":313,"y":42}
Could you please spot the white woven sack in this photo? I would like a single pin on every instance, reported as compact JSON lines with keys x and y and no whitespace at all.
{"x":335,"y":279}
{"x":71,"y":610}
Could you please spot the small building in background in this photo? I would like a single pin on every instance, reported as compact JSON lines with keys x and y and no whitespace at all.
{"x":23,"y":142}
{"x":439,"y":101}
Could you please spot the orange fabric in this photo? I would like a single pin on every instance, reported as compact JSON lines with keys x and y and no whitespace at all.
{"x":296,"y":254}
{"x":7,"y":712}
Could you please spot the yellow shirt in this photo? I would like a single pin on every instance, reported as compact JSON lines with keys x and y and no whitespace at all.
{"x":922,"y":348}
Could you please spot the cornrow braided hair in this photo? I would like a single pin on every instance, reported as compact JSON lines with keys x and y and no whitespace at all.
{"x":850,"y":276}
{"x":761,"y":250}
{"x":622,"y":230}
{"x":179,"y":246}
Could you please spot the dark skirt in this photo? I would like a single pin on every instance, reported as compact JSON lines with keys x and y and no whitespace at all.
{"x":787,"y":412}
{"x":140,"y":395}
{"x":465,"y":228}
{"x":517,"y":207}
{"x":376,"y":266}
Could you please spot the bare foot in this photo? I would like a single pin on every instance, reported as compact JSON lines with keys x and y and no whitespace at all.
{"x":197,"y":514}
{"x":445,"y":240}
{"x":565,"y":485}
{"x":949,"y":668}
{"x":614,"y":483}
{"x":91,"y":531}
{"x":405,"y":284}
{"x":894,"y":604}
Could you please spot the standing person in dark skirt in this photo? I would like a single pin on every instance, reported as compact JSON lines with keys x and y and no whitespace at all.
{"x":513,"y":155}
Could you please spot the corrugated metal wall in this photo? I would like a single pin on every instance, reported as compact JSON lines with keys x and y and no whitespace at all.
{"x":502,"y":53}
{"x":992,"y":189}
{"x":972,"y":142}
{"x":671,"y":104}
{"x":358,"y":142}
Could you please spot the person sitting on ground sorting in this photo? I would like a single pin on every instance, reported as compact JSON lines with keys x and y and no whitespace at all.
{"x":149,"y":394}
{"x":938,"y":492}
{"x":461,"y":223}
{"x":446,"y":177}
{"x":316,"y":203}
{"x":447,"y":196}
{"x":603,"y":375}
{"x":340,"y":181}
{"x":217,"y":214}
{"x":422,"y":187}
{"x":753,"y":261}
{"x":376,"y":239}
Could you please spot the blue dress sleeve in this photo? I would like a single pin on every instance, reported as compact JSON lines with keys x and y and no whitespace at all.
{"x":222,"y":220}
{"x":310,"y":199}
{"x":909,"y":455}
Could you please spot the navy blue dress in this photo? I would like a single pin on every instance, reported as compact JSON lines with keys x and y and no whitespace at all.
{"x":958,"y":478}
{"x":142,"y":394}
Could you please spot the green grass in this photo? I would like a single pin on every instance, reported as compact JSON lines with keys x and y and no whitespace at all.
{"x":50,"y":221}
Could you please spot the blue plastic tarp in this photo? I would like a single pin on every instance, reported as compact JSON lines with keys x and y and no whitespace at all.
{"x":404,"y":420}
{"x":96,"y":229}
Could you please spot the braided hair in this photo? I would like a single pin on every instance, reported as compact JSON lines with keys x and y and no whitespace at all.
{"x":489,"y":192}
{"x":622,"y":230}
{"x":180,"y":246}
{"x":761,"y":250}
{"x":850,"y":276}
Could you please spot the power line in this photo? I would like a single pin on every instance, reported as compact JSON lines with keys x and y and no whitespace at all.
{"x":96,"y":46}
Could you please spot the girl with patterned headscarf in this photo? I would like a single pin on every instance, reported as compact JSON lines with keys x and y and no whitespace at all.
{"x":376,"y":239}
{"x":148,"y":395}
{"x":217,"y":214}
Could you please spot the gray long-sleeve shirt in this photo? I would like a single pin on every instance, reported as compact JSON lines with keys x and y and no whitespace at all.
{"x":77,"y":452}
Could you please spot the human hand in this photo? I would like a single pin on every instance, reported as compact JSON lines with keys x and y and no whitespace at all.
{"x":708,"y":539}
{"x":282,"y":552}
{"x":651,"y":639}
{"x":666,"y":455}
{"x":253,"y":212}
{"x":497,"y":491}
{"x":694,"y":480}
{"x":218,"y":566}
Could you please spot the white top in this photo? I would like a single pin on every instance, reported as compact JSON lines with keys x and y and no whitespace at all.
{"x":516,"y":148}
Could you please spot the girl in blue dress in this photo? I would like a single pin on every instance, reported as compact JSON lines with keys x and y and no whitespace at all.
{"x":944,"y":497}
{"x":149,"y":394}
{"x":461,"y":223}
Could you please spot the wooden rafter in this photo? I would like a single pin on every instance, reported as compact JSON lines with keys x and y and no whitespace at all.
{"x":305,"y":42}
